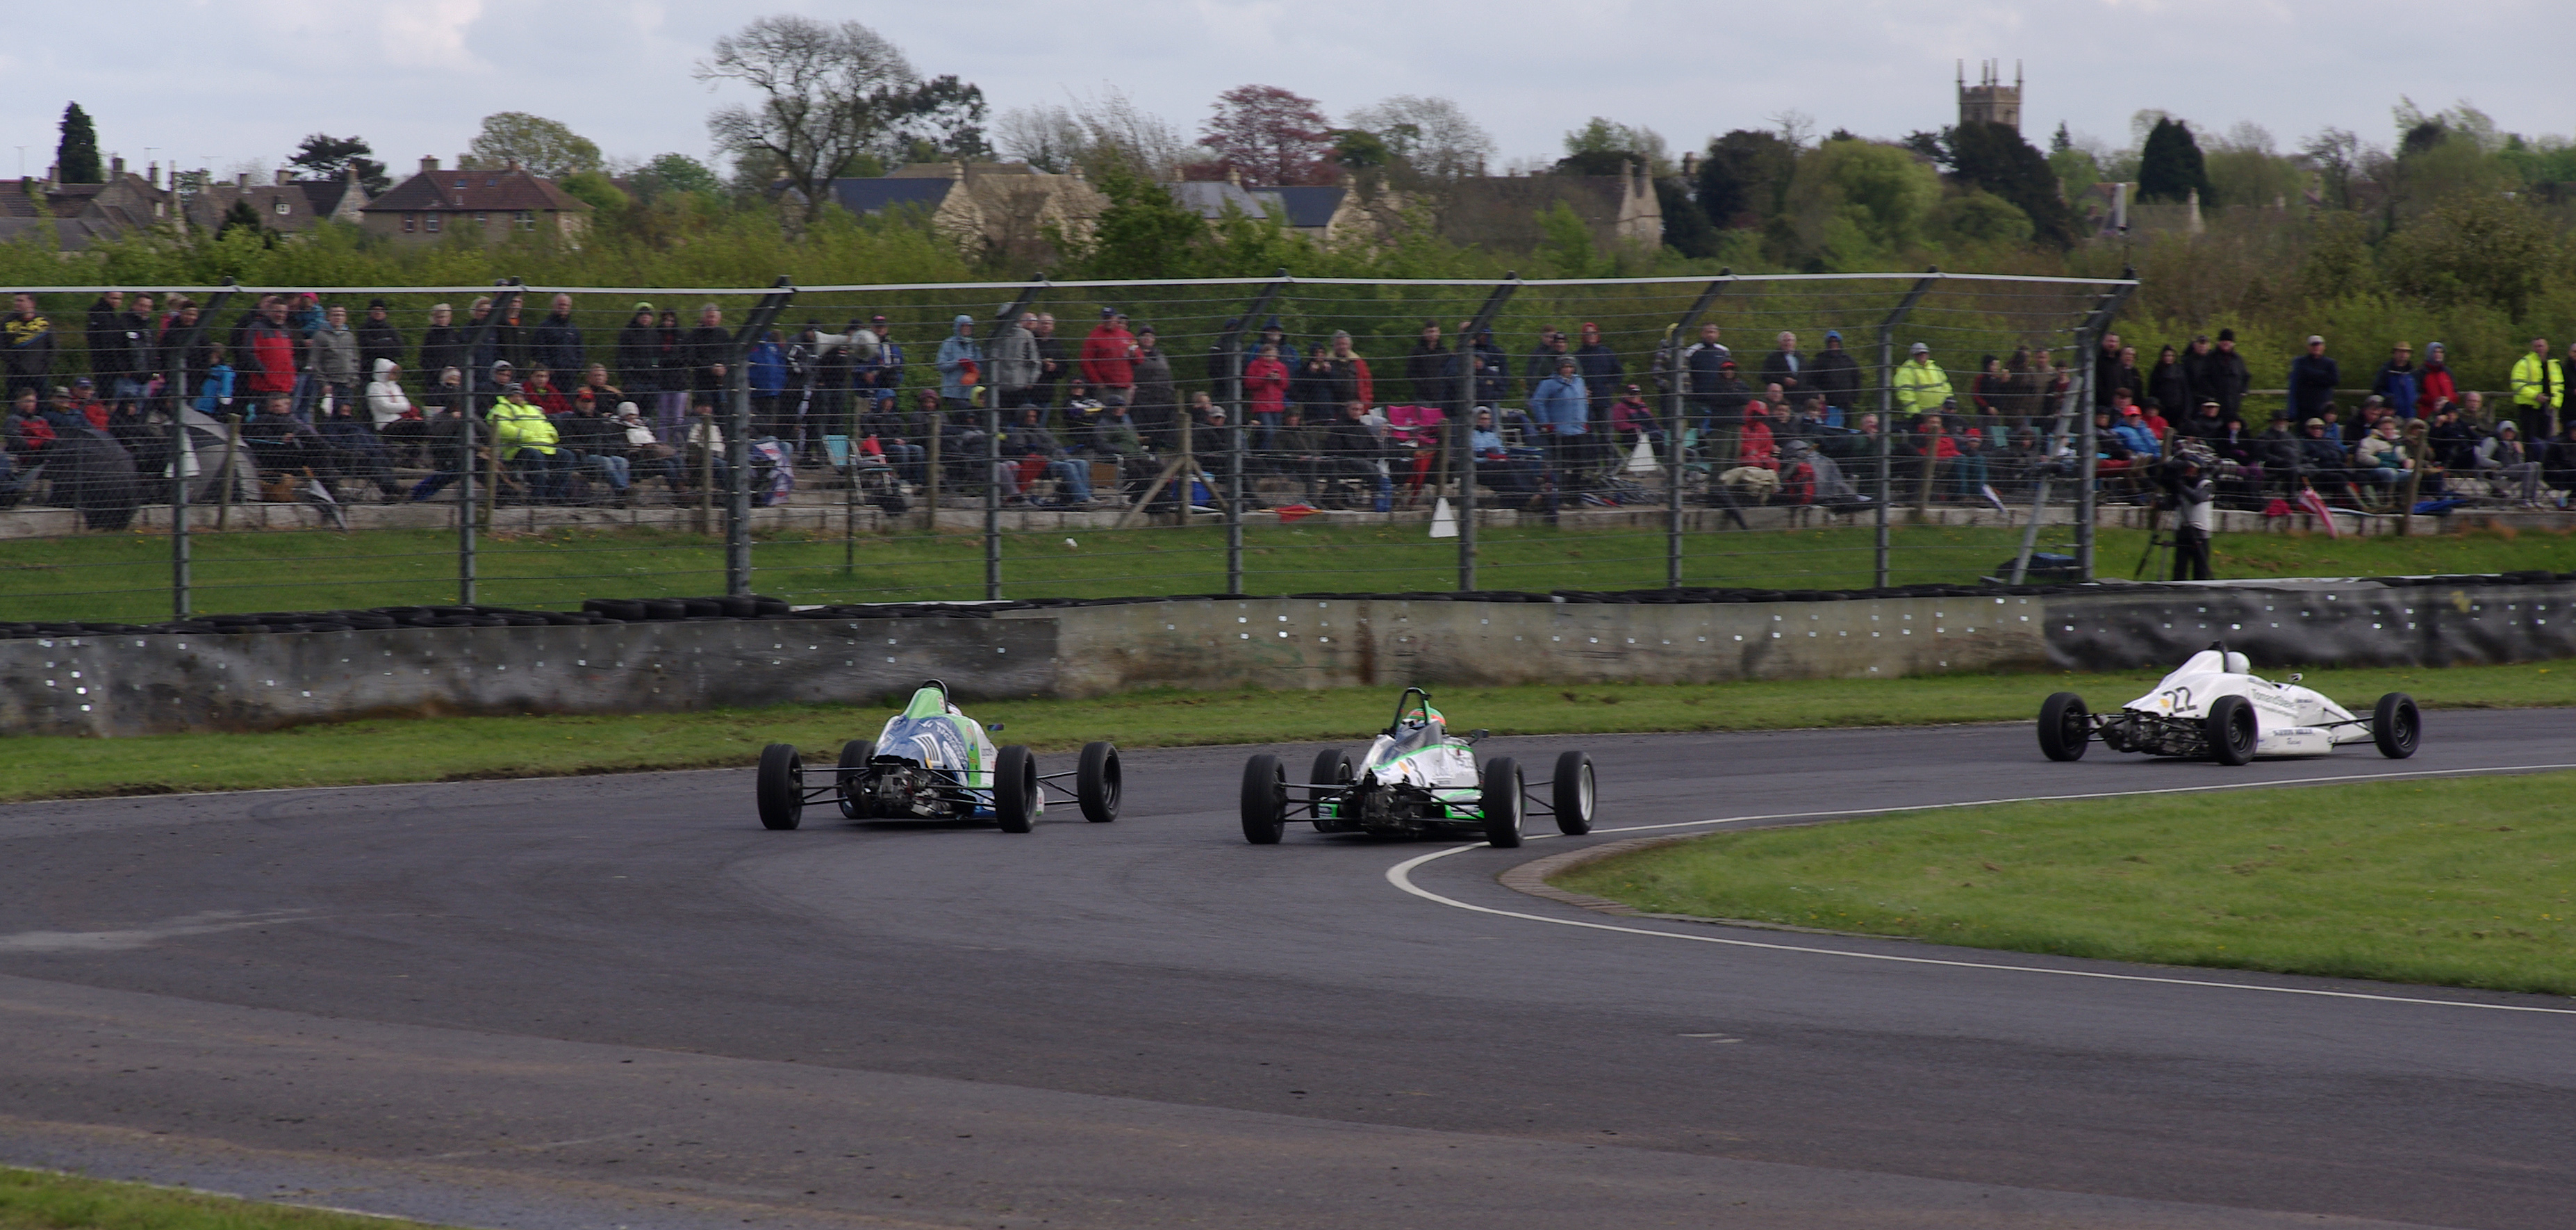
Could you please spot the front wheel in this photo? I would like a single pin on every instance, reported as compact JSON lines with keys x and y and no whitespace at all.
{"x":1572,"y":798}
{"x":2065,"y":726}
{"x":1500,"y":801}
{"x":2230,"y":728}
{"x":2396,"y":726}
{"x":1265,"y":800}
{"x":1097,"y":782}
{"x":781,"y":786}
{"x":850,"y":780}
{"x":1015,"y":789}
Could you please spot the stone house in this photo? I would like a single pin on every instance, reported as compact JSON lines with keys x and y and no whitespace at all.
{"x":490,"y":203}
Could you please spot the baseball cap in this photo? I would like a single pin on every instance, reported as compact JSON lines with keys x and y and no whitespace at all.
{"x":2314,"y":423}
{"x":2227,"y":335}
{"x":83,"y":383}
{"x":1833,"y":335}
{"x":1107,"y":312}
{"x":1632,"y":388}
{"x":2315,"y":339}
{"x":1918,"y":348}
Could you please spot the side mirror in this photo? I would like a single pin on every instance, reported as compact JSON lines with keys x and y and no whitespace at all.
{"x":2296,"y":676}
{"x":994,"y":726}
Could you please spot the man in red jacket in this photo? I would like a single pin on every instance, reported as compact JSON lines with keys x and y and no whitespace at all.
{"x":1109,"y":357}
{"x":268,"y":351}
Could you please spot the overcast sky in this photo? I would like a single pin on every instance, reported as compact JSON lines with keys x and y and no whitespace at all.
{"x":223,"y":83}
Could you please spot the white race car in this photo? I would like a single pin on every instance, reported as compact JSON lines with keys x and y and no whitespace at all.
{"x":1417,"y":779}
{"x":932,"y":762}
{"x":2214,"y":708}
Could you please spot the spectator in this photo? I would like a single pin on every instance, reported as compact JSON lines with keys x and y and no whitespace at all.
{"x":540,"y":391}
{"x":1783,"y":367}
{"x":185,"y":353}
{"x":2125,"y":375}
{"x":215,"y":391}
{"x":279,"y":444}
{"x":1542,"y":360}
{"x":1497,"y":466}
{"x":331,"y":358}
{"x":2313,"y":378}
{"x":638,"y":354}
{"x":709,"y":351}
{"x":1082,"y":413}
{"x":523,"y":436}
{"x":441,"y":345}
{"x":597,"y":444}
{"x":1265,"y":386}
{"x":1356,"y":451}
{"x":1756,"y":447}
{"x":2106,"y":370}
{"x":137,"y":335}
{"x":2381,"y":459}
{"x":2539,"y":387}
{"x":1109,"y":357}
{"x":961,"y":363}
{"x":1029,"y":440}
{"x":1561,"y":408}
{"x":2321,"y":455}
{"x":1351,"y":372}
{"x":27,"y":342}
{"x":2169,"y":383}
{"x":673,"y":381}
{"x":2397,"y":383}
{"x":2454,"y":443}
{"x":2222,"y":374}
{"x":877,"y":381}
{"x":1991,"y":394}
{"x":2194,"y":498}
{"x":1971,"y":478}
{"x":28,"y":432}
{"x":448,"y":391}
{"x":555,"y":344}
{"x":354,"y":448}
{"x":899,"y":437}
{"x":1015,"y":362}
{"x":1921,"y":385}
{"x":82,"y":405}
{"x":108,"y":360}
{"x":1631,"y":419}
{"x":765,"y":370}
{"x":398,"y":423}
{"x":1313,"y":389}
{"x":1054,"y":364}
{"x":1835,"y":374}
{"x":503,"y":342}
{"x":2278,"y":451}
{"x":377,"y":336}
{"x":2558,"y":465}
{"x":2130,"y":424}
{"x":595,"y":379}
{"x":268,"y":358}
{"x":2030,"y":377}
{"x":1600,"y":367}
{"x":1491,"y":368}
{"x":1273,"y":335}
{"x":1430,"y":371}
{"x":449,"y":431}
{"x":2504,"y":456}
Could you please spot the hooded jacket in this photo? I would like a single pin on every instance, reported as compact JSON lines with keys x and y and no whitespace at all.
{"x":956,"y":351}
{"x":331,"y":354}
{"x":386,"y":400}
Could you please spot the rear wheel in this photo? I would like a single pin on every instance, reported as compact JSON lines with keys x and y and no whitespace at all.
{"x":1500,"y":800}
{"x":2396,"y":726}
{"x":1097,"y":782}
{"x":2065,"y":726}
{"x":1015,"y":789}
{"x":1572,"y":798}
{"x":2230,"y":728}
{"x":1333,"y":768}
{"x":781,"y":786}
{"x":849,"y":783}
{"x":1265,"y":800}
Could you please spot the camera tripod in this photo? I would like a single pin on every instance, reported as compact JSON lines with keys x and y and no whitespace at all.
{"x":2159,"y":543}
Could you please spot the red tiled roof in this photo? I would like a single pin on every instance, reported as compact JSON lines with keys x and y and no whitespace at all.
{"x":469,"y":191}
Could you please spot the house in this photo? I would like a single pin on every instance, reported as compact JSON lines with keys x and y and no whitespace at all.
{"x":78,"y":215}
{"x":289,"y":205}
{"x":490,"y":203}
{"x":1003,"y":209}
{"x":1502,"y":212}
{"x":1325,"y":213}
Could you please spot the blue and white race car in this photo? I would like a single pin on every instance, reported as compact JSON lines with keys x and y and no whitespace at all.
{"x":2215,"y":708}
{"x":1415,"y":780}
{"x":932,"y":762}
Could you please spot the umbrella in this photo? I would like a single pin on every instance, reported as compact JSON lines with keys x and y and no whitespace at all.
{"x":98,"y":474}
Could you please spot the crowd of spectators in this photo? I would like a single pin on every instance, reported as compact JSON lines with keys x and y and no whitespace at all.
{"x":565,"y":415}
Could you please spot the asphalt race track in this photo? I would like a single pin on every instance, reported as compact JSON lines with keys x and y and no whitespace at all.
{"x":618,"y":1001}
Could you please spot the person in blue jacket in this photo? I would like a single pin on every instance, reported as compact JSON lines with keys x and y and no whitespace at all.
{"x":215,"y":391}
{"x":771,"y":415}
{"x":1561,"y":407}
{"x":956,"y":352}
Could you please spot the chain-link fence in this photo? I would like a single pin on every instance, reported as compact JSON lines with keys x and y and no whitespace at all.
{"x":263,"y":448}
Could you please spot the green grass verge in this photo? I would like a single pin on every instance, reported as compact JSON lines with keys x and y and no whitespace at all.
{"x":127,"y":577}
{"x":406,"y":750}
{"x":43,"y":1200}
{"x":2456,"y":882}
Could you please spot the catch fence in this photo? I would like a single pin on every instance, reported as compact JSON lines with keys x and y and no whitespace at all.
{"x":1165,"y":457}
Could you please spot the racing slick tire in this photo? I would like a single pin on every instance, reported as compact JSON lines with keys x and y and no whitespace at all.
{"x":1098,"y":781}
{"x":851,"y":787}
{"x":2230,"y":729}
{"x":1500,"y":801}
{"x":1265,"y":800}
{"x":1571,"y":800}
{"x":781,"y":786}
{"x":2065,"y":726}
{"x":1333,"y":768}
{"x":2396,"y":726}
{"x":1015,"y":789}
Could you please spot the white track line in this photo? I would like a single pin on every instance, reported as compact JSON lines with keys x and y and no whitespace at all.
{"x":1401,"y":875}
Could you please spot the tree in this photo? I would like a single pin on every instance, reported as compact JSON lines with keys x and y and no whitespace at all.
{"x":1933,"y":145}
{"x":326,"y":158}
{"x":2170,"y":166}
{"x":827,"y":92}
{"x":242,"y":217}
{"x":1602,"y":141}
{"x":1092,"y":134}
{"x":2473,"y":247}
{"x":1143,"y":233}
{"x":1994,"y":157}
{"x":1431,"y":134}
{"x":2336,"y":155}
{"x":941,"y":120}
{"x":1745,"y":177}
{"x":1857,"y":203}
{"x":1686,"y":228}
{"x":1268,"y":135}
{"x":676,"y":173}
{"x":595,"y":189}
{"x":546,"y":148}
{"x":76,"y":158}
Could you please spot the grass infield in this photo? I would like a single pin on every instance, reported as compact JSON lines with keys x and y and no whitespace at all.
{"x":2456,"y":882}
{"x":407,"y":750}
{"x":44,"y":1200}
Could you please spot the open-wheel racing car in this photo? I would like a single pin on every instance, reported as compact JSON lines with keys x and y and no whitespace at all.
{"x":2214,"y":708}
{"x":1416,"y":779}
{"x":932,"y":762}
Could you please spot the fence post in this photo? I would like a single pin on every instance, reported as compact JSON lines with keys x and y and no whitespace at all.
{"x":1887,"y":412}
{"x":510,"y":290}
{"x":1467,"y":335}
{"x":738,"y":446}
{"x":1004,"y":319}
{"x":2106,"y":306}
{"x":175,"y":365}
{"x":465,"y":463}
{"x":1229,"y":378}
{"x":1674,"y":379}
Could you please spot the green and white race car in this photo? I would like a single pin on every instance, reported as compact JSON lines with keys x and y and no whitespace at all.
{"x":1417,"y":779}
{"x":932,"y":762}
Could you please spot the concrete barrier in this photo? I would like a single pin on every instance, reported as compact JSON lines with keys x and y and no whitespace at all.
{"x":146,"y":684}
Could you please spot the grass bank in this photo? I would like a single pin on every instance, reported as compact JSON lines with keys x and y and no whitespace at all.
{"x":2456,"y":882}
{"x":126,"y":577}
{"x":44,"y":1200}
{"x":437,"y":749}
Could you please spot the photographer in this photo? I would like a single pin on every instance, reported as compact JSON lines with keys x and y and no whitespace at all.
{"x":2191,"y":494}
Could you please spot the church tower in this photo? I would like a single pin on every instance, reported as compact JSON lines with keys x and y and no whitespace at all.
{"x":1990,"y":100}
